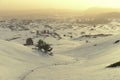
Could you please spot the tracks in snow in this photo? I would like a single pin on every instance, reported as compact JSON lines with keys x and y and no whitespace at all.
{"x":23,"y":77}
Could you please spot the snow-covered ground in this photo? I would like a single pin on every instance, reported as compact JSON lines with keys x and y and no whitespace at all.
{"x":81,"y":51}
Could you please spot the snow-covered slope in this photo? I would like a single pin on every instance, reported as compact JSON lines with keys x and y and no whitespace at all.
{"x":81,"y":51}
{"x":17,"y":60}
{"x":91,"y":64}
{"x":86,"y":62}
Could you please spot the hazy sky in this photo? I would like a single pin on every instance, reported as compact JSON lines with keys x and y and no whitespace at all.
{"x":56,"y":4}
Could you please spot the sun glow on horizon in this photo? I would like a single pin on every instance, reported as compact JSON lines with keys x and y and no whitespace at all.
{"x":56,"y":4}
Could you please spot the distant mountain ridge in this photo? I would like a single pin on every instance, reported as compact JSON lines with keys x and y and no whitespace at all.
{"x":110,"y":15}
{"x":100,"y":15}
{"x":101,"y":12}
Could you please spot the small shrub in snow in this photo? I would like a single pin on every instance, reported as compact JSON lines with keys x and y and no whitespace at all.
{"x":117,"y":41}
{"x":29,"y":41}
{"x":37,"y":32}
{"x":44,"y":47}
{"x":40,"y":44}
{"x":95,"y":44}
{"x":87,"y":41}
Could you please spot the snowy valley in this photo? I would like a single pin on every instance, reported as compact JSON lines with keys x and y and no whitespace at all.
{"x":81,"y":51}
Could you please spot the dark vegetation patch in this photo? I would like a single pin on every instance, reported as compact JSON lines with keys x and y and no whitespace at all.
{"x":97,"y":35}
{"x":29,"y":41}
{"x":117,"y":64}
{"x":117,"y":41}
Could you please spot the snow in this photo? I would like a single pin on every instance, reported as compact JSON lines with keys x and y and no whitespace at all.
{"x":75,"y":58}
{"x":89,"y":67}
{"x":16,"y":59}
